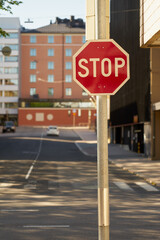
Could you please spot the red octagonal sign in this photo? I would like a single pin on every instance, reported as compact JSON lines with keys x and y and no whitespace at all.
{"x":101,"y":67}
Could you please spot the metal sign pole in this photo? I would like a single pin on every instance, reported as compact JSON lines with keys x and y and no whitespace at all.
{"x":102,"y":161}
{"x":93,"y":54}
{"x":102,"y":32}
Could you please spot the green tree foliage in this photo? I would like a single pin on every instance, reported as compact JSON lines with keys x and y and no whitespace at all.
{"x":6,"y":5}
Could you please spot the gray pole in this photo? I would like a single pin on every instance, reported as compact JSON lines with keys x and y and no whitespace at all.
{"x":102,"y":161}
{"x":102,"y":32}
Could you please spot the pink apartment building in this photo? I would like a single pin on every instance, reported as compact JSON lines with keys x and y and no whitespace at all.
{"x":48,"y":94}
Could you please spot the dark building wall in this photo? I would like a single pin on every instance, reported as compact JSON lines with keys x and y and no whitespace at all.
{"x":134,"y":97}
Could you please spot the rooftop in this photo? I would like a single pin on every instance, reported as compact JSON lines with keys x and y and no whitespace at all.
{"x":65,"y":25}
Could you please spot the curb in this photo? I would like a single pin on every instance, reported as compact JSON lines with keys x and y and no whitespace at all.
{"x":83,"y":151}
{"x":135,"y":173}
{"x":140,"y":175}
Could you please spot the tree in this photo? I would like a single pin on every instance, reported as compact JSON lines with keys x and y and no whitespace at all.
{"x":6,"y":5}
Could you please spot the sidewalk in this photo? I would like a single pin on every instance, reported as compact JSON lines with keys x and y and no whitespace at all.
{"x":133,"y":162}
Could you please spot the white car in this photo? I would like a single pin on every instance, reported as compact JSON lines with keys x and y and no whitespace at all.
{"x":53,"y":130}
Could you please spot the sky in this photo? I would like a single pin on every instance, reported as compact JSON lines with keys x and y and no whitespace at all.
{"x":42,"y":11}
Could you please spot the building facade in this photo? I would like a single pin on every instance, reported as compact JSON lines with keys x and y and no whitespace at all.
{"x":130,"y":107}
{"x":9,"y":70}
{"x":46,"y":75}
{"x":135,"y":109}
{"x":150,"y":38}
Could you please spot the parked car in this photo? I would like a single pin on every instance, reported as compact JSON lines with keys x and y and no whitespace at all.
{"x":8,"y":127}
{"x":53,"y":130}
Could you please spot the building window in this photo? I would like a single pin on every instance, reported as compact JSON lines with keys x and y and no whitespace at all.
{"x":68,"y":65}
{"x":32,"y":52}
{"x":33,"y":65}
{"x":68,"y":52}
{"x":1,"y":81}
{"x":10,"y":70}
{"x":68,"y":39}
{"x":83,"y":39}
{"x":1,"y":93}
{"x":0,"y":105}
{"x":11,"y":82}
{"x":32,"y":39}
{"x":32,"y":91}
{"x":68,"y":91}
{"x":50,"y":78}
{"x":50,"y":39}
{"x":32,"y":78}
{"x":50,"y":52}
{"x":1,"y":70}
{"x":1,"y":58}
{"x":11,"y":105}
{"x":11,"y":59}
{"x":14,"y":47}
{"x":50,"y":65}
{"x":50,"y":91}
{"x":11,"y":93}
{"x":12,"y":35}
{"x":68,"y":78}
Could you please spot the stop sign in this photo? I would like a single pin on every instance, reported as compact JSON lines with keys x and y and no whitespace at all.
{"x":101,"y":67}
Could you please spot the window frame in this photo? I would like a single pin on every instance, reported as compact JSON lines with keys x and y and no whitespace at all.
{"x":50,"y":52}
{"x":68,"y":39}
{"x":50,"y":39}
{"x":33,"y":78}
{"x":33,"y":52}
{"x":50,"y":78}
{"x":68,"y":78}
{"x":50,"y":65}
{"x":31,"y":89}
{"x":11,"y":59}
{"x":68,"y":65}
{"x":68,"y":91}
{"x":11,"y":70}
{"x":68,"y":52}
{"x":52,"y":93}
{"x":12,"y":35}
{"x":33,"y":65}
{"x":33,"y":39}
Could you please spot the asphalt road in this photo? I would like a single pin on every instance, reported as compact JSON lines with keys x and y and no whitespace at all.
{"x":48,"y":190}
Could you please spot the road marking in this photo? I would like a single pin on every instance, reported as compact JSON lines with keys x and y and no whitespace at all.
{"x":46,"y":226}
{"x":29,"y":171}
{"x":147,"y":187}
{"x":35,"y":160}
{"x":123,"y":186}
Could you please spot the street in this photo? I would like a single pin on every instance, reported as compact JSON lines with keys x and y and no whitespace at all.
{"x":48,"y":190}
